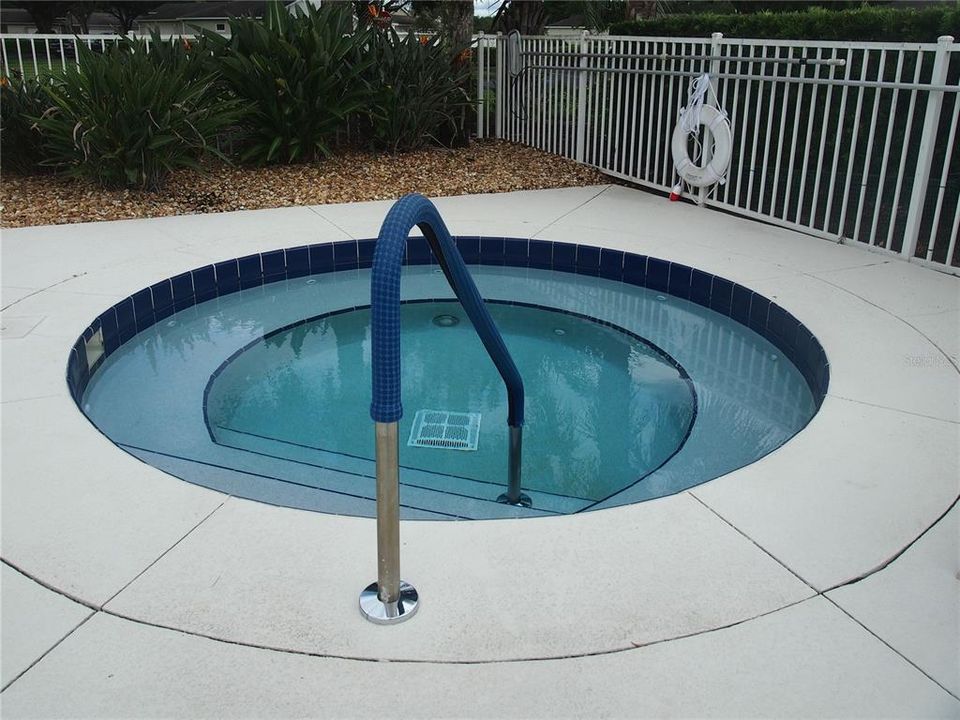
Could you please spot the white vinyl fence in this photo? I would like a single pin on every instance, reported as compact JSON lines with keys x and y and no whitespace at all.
{"x":852,"y":141}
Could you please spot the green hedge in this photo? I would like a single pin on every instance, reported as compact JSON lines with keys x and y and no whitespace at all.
{"x":865,"y":24}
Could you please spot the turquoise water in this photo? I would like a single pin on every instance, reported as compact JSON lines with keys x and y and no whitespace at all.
{"x":223,"y":396}
{"x":309,"y":387}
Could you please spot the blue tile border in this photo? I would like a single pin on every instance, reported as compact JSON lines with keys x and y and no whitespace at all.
{"x":658,"y":275}
{"x":297,"y":261}
{"x":274,"y":266}
{"x":564,"y":257}
{"x":151,"y":305}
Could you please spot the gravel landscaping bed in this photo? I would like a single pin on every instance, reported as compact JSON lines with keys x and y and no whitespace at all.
{"x":484,"y":167}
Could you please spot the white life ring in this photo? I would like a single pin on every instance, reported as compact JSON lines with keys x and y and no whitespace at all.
{"x":716,"y":121}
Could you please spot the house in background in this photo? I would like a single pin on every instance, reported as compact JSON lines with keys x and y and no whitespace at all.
{"x":17,"y":21}
{"x":182,"y":18}
{"x":572,"y":26}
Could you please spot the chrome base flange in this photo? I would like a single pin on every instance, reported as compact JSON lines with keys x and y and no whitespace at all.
{"x":381,"y":613}
{"x":524,"y":500}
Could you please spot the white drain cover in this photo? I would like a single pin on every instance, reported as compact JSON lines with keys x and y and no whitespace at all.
{"x":444,"y":429}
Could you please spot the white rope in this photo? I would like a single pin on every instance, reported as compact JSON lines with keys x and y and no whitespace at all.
{"x":690,"y":115}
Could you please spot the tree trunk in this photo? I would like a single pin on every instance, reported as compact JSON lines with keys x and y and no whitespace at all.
{"x":528,"y":17}
{"x":641,"y":9}
{"x":457,"y":19}
{"x":44,"y":14}
{"x":456,"y":25}
{"x":80,"y":17}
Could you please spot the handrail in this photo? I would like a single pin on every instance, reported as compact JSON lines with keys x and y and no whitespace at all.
{"x":407,"y":212}
{"x":390,"y":600}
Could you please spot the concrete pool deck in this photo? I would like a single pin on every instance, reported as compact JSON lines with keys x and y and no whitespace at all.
{"x":821,"y":580}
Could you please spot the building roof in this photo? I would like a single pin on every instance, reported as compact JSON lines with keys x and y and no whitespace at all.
{"x":575,"y":21}
{"x":15,"y":16}
{"x":205,"y":10}
{"x":20,"y":16}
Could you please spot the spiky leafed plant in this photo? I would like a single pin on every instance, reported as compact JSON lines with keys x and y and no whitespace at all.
{"x":417,"y":91}
{"x":302,"y":75}
{"x":22,"y":100}
{"x":129,"y":117}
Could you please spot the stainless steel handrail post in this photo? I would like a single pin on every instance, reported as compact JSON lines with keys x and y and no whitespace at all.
{"x":513,"y":496}
{"x":388,"y":512}
{"x":389,"y":600}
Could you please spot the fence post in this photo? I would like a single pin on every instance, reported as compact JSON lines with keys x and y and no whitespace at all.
{"x":582,"y":99}
{"x":501,"y":95}
{"x":481,"y":51}
{"x":715,"y":46}
{"x":928,"y":142}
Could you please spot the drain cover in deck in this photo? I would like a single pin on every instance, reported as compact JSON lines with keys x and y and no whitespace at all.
{"x":446,"y":430}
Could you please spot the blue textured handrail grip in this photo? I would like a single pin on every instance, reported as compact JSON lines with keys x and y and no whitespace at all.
{"x":409,"y":211}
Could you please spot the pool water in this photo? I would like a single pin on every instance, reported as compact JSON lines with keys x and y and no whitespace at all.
{"x":631,"y":394}
{"x":309,"y":387}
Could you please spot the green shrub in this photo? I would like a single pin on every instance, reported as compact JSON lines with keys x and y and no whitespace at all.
{"x":863,"y":24}
{"x":418,"y":91}
{"x":196,"y":58}
{"x":128,"y":117}
{"x":303,"y":77}
{"x":22,"y":100}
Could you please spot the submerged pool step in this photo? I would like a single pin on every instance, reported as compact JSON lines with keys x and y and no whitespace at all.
{"x":251,"y":483}
{"x":309,"y":487}
{"x":411,"y":479}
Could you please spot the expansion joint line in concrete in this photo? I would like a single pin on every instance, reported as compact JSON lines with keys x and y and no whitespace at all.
{"x":893,"y":409}
{"x":48,"y":650}
{"x":164,"y":553}
{"x":571,"y":211}
{"x":633,"y":646}
{"x":355,"y":658}
{"x":823,"y":593}
{"x":43,"y":289}
{"x":28,"y":399}
{"x":891,"y":314}
{"x":95,"y":608}
{"x":330,"y":222}
{"x":100,"y":606}
{"x":891,"y":647}
{"x":886,"y":563}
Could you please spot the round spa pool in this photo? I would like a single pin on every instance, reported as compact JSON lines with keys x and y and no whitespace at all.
{"x":637,"y":385}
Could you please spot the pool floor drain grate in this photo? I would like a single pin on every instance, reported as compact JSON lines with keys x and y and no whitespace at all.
{"x":442,"y":429}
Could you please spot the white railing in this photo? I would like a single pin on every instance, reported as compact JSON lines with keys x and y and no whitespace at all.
{"x":855,"y":142}
{"x":32,"y":54}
